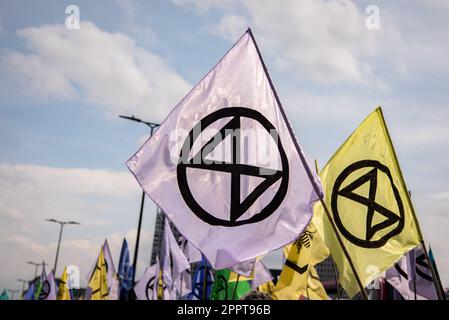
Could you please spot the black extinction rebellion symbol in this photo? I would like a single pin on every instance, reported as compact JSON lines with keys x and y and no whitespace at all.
{"x":391,"y":218}
{"x":45,"y":290}
{"x":222,"y":286}
{"x":235,"y":168}
{"x":149,"y":288}
{"x":421,"y":268}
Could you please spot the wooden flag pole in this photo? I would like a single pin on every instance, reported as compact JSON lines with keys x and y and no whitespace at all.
{"x":235,"y":288}
{"x":309,"y":173}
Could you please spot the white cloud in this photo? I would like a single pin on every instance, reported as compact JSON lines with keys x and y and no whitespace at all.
{"x":230,"y":27}
{"x":98,"y":67}
{"x":444,"y":196}
{"x":326,"y":39}
{"x":202,"y":6}
{"x":105,"y":202}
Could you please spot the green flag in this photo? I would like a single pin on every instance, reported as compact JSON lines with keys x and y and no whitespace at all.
{"x":224,"y":290}
{"x":38,"y":287}
{"x":4,"y":295}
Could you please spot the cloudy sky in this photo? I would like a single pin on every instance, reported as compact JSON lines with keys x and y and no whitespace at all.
{"x":63,"y":147}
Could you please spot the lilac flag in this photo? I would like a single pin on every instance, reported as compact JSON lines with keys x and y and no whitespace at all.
{"x":244,"y":268}
{"x":144,"y":289}
{"x":224,"y":166}
{"x":48,"y":289}
{"x":174,"y":261}
{"x":411,"y":272}
{"x":261,"y":274}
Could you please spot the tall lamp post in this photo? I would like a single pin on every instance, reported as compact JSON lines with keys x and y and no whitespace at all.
{"x":152,"y":126}
{"x":62,"y":224}
{"x":12,"y":293}
{"x":36,"y":266}
{"x":23,"y":285}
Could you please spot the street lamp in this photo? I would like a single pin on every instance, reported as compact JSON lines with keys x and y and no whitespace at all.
{"x":152,"y":126}
{"x":12,"y":293}
{"x":36,"y":266}
{"x":62,"y":224}
{"x":23,"y":285}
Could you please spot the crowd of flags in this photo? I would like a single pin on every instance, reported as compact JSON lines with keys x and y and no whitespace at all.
{"x":357,"y":210}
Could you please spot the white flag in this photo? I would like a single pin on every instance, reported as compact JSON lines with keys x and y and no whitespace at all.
{"x":224,"y":166}
{"x":114,"y":289}
{"x":410,"y":273}
{"x":48,"y":289}
{"x":192,"y":253}
{"x":261,"y":274}
{"x":174,"y":261}
{"x":182,"y":285}
{"x":244,"y":268}
{"x":144,"y":289}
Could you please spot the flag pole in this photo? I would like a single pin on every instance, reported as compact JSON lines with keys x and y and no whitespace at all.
{"x":205,"y":281}
{"x":309,"y":173}
{"x":414,"y":289}
{"x":436,"y":280}
{"x":439,"y":286}
{"x":337,"y":285}
{"x":334,"y":271}
{"x":235,"y":288}
{"x":432,"y":260}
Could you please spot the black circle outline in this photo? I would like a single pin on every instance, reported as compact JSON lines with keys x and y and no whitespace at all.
{"x":44,"y":294}
{"x":183,"y":159}
{"x":338,"y":182}
{"x":150,"y":285}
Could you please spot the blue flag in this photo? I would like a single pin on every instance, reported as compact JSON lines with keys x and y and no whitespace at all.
{"x":202,"y":273}
{"x":125,"y":272}
{"x":29,"y":295}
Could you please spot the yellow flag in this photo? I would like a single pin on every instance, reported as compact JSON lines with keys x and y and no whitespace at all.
{"x":315,"y":289}
{"x":369,"y":203}
{"x":64,"y":293}
{"x":267,"y":287}
{"x":99,"y":281}
{"x":307,"y":251}
{"x":234,"y":276}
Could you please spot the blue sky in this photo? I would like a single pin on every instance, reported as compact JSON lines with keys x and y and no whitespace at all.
{"x":63,"y":147}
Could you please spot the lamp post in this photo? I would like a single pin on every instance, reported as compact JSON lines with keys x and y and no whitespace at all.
{"x":12,"y":293}
{"x":152,"y":126}
{"x":62,"y":224}
{"x":36,"y":266}
{"x":23,"y":286}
